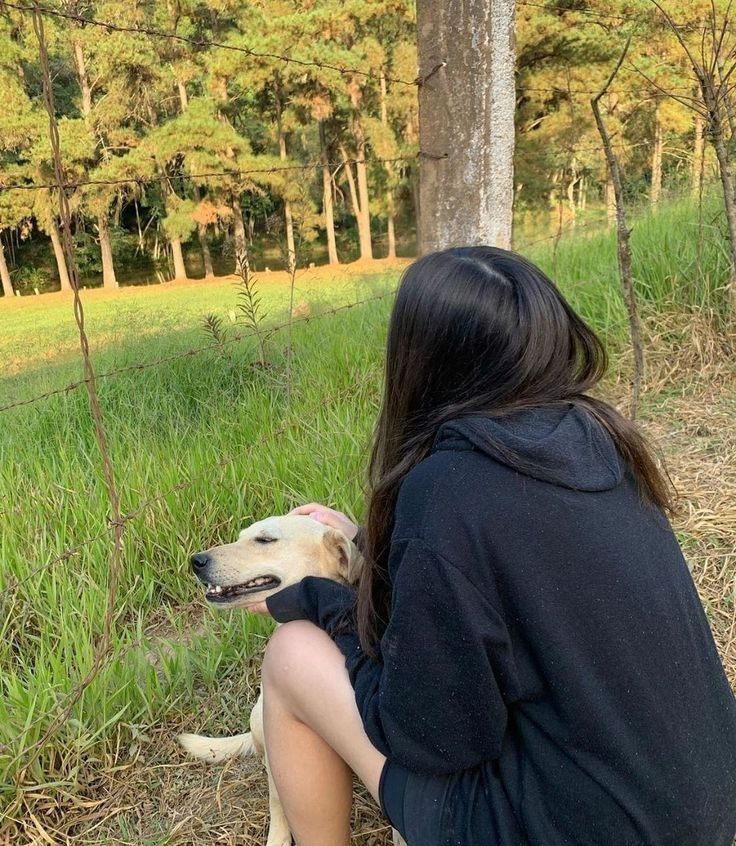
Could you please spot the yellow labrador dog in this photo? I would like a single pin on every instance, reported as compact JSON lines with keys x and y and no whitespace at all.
{"x":268,"y":556}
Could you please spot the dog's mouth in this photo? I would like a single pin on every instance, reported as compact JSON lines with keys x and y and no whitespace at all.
{"x":218,"y":593}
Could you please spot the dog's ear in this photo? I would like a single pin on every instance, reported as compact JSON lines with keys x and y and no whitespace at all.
{"x":348,"y":557}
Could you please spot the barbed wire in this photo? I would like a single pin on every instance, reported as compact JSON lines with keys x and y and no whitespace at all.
{"x":142,"y":509}
{"x":107,"y":646}
{"x":118,"y":520}
{"x":593,"y":226}
{"x":147,"y":180}
{"x":109,"y":26}
{"x":264,"y":332}
{"x":99,"y":429}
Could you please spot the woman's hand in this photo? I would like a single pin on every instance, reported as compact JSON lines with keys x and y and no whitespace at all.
{"x":329,"y":517}
{"x":259,"y":608}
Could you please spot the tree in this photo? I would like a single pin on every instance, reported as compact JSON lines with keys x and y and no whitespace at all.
{"x":109,"y":280}
{"x":712,"y":57}
{"x":466,"y":122}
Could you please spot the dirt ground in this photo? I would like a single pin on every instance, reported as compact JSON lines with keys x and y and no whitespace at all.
{"x":150,"y":794}
{"x":304,"y":276}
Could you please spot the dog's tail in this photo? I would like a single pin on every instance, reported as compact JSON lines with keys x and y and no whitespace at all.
{"x":218,"y":749}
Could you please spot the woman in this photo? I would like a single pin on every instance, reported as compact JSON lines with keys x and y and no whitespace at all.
{"x":529,"y":662}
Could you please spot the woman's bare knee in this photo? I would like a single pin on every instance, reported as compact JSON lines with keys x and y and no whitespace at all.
{"x":296,"y":651}
{"x":306,"y":671}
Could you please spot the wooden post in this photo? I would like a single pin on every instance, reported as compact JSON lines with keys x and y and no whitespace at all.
{"x":466,"y":122}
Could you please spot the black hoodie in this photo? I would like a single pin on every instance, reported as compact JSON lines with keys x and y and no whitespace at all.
{"x":544,"y":625}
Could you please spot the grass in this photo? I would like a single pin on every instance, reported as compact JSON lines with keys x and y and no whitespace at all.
{"x":216,"y":431}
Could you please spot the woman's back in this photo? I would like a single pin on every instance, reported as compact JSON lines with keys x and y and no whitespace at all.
{"x":619,"y":721}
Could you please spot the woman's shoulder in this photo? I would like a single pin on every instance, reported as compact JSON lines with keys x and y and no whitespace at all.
{"x":439,"y":497}
{"x":440,"y":474}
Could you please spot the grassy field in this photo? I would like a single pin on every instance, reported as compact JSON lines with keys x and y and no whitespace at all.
{"x":230,"y":443}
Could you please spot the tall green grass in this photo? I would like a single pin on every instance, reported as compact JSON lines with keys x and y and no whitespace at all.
{"x":177,"y":423}
{"x":680,"y":264}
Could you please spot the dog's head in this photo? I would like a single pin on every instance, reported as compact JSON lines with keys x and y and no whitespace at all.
{"x":272,"y":554}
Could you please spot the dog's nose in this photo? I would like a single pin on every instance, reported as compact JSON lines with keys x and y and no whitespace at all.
{"x":199,"y":561}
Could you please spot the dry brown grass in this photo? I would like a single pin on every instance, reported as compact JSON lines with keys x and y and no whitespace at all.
{"x":148,"y":793}
{"x":690,"y":412}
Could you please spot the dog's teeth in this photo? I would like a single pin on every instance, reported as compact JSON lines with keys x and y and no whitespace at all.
{"x":218,"y":589}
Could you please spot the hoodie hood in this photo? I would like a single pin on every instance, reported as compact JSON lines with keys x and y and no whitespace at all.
{"x":565,"y":446}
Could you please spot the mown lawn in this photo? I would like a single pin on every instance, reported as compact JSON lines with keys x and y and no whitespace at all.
{"x":205,"y":443}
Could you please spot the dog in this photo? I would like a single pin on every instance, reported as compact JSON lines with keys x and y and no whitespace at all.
{"x":269,"y":555}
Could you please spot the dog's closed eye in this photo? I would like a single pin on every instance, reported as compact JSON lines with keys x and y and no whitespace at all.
{"x":264,"y":539}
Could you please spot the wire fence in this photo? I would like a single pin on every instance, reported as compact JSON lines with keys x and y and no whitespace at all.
{"x":202,"y":177}
{"x":118,"y":520}
{"x":105,"y":644}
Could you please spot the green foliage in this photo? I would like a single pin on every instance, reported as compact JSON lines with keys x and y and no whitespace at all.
{"x":151,"y":115}
{"x":179,"y":221}
{"x":30,"y":279}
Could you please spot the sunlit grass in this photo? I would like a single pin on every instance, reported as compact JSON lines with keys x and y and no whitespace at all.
{"x":220,"y":424}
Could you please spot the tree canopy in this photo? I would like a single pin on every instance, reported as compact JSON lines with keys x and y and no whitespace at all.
{"x":242,"y":126}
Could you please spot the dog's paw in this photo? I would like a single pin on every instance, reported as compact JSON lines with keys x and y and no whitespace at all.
{"x":279,"y":838}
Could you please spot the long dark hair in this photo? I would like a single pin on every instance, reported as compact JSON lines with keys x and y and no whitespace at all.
{"x":477,"y":330}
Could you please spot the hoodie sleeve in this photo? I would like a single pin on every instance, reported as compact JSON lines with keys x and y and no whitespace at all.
{"x":434,"y":701}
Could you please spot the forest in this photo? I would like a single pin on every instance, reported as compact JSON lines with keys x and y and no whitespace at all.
{"x":290,"y":130}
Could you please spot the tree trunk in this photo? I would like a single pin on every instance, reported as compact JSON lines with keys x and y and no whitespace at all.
{"x":582,"y":193}
{"x":240,"y":237}
{"x":7,"y":284}
{"x":351,"y":183}
{"x":84,"y":86}
{"x":108,"y":267}
{"x":288,"y":220}
{"x":390,"y":227}
{"x":571,"y":199}
{"x":610,"y":200}
{"x":109,"y":280}
{"x":365,"y":239}
{"x":327,"y":197}
{"x":623,"y":243}
{"x":364,"y":217}
{"x":724,"y":167}
{"x":65,"y":284}
{"x":391,"y":236}
{"x":467,"y":103}
{"x":183,"y":96}
{"x":414,"y":182}
{"x":201,"y":228}
{"x":177,"y":254}
{"x":180,"y":270}
{"x":656,"y":187}
{"x":202,"y":235}
{"x":698,"y":155}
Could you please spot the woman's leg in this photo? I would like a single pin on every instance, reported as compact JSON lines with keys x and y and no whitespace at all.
{"x":314,"y":735}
